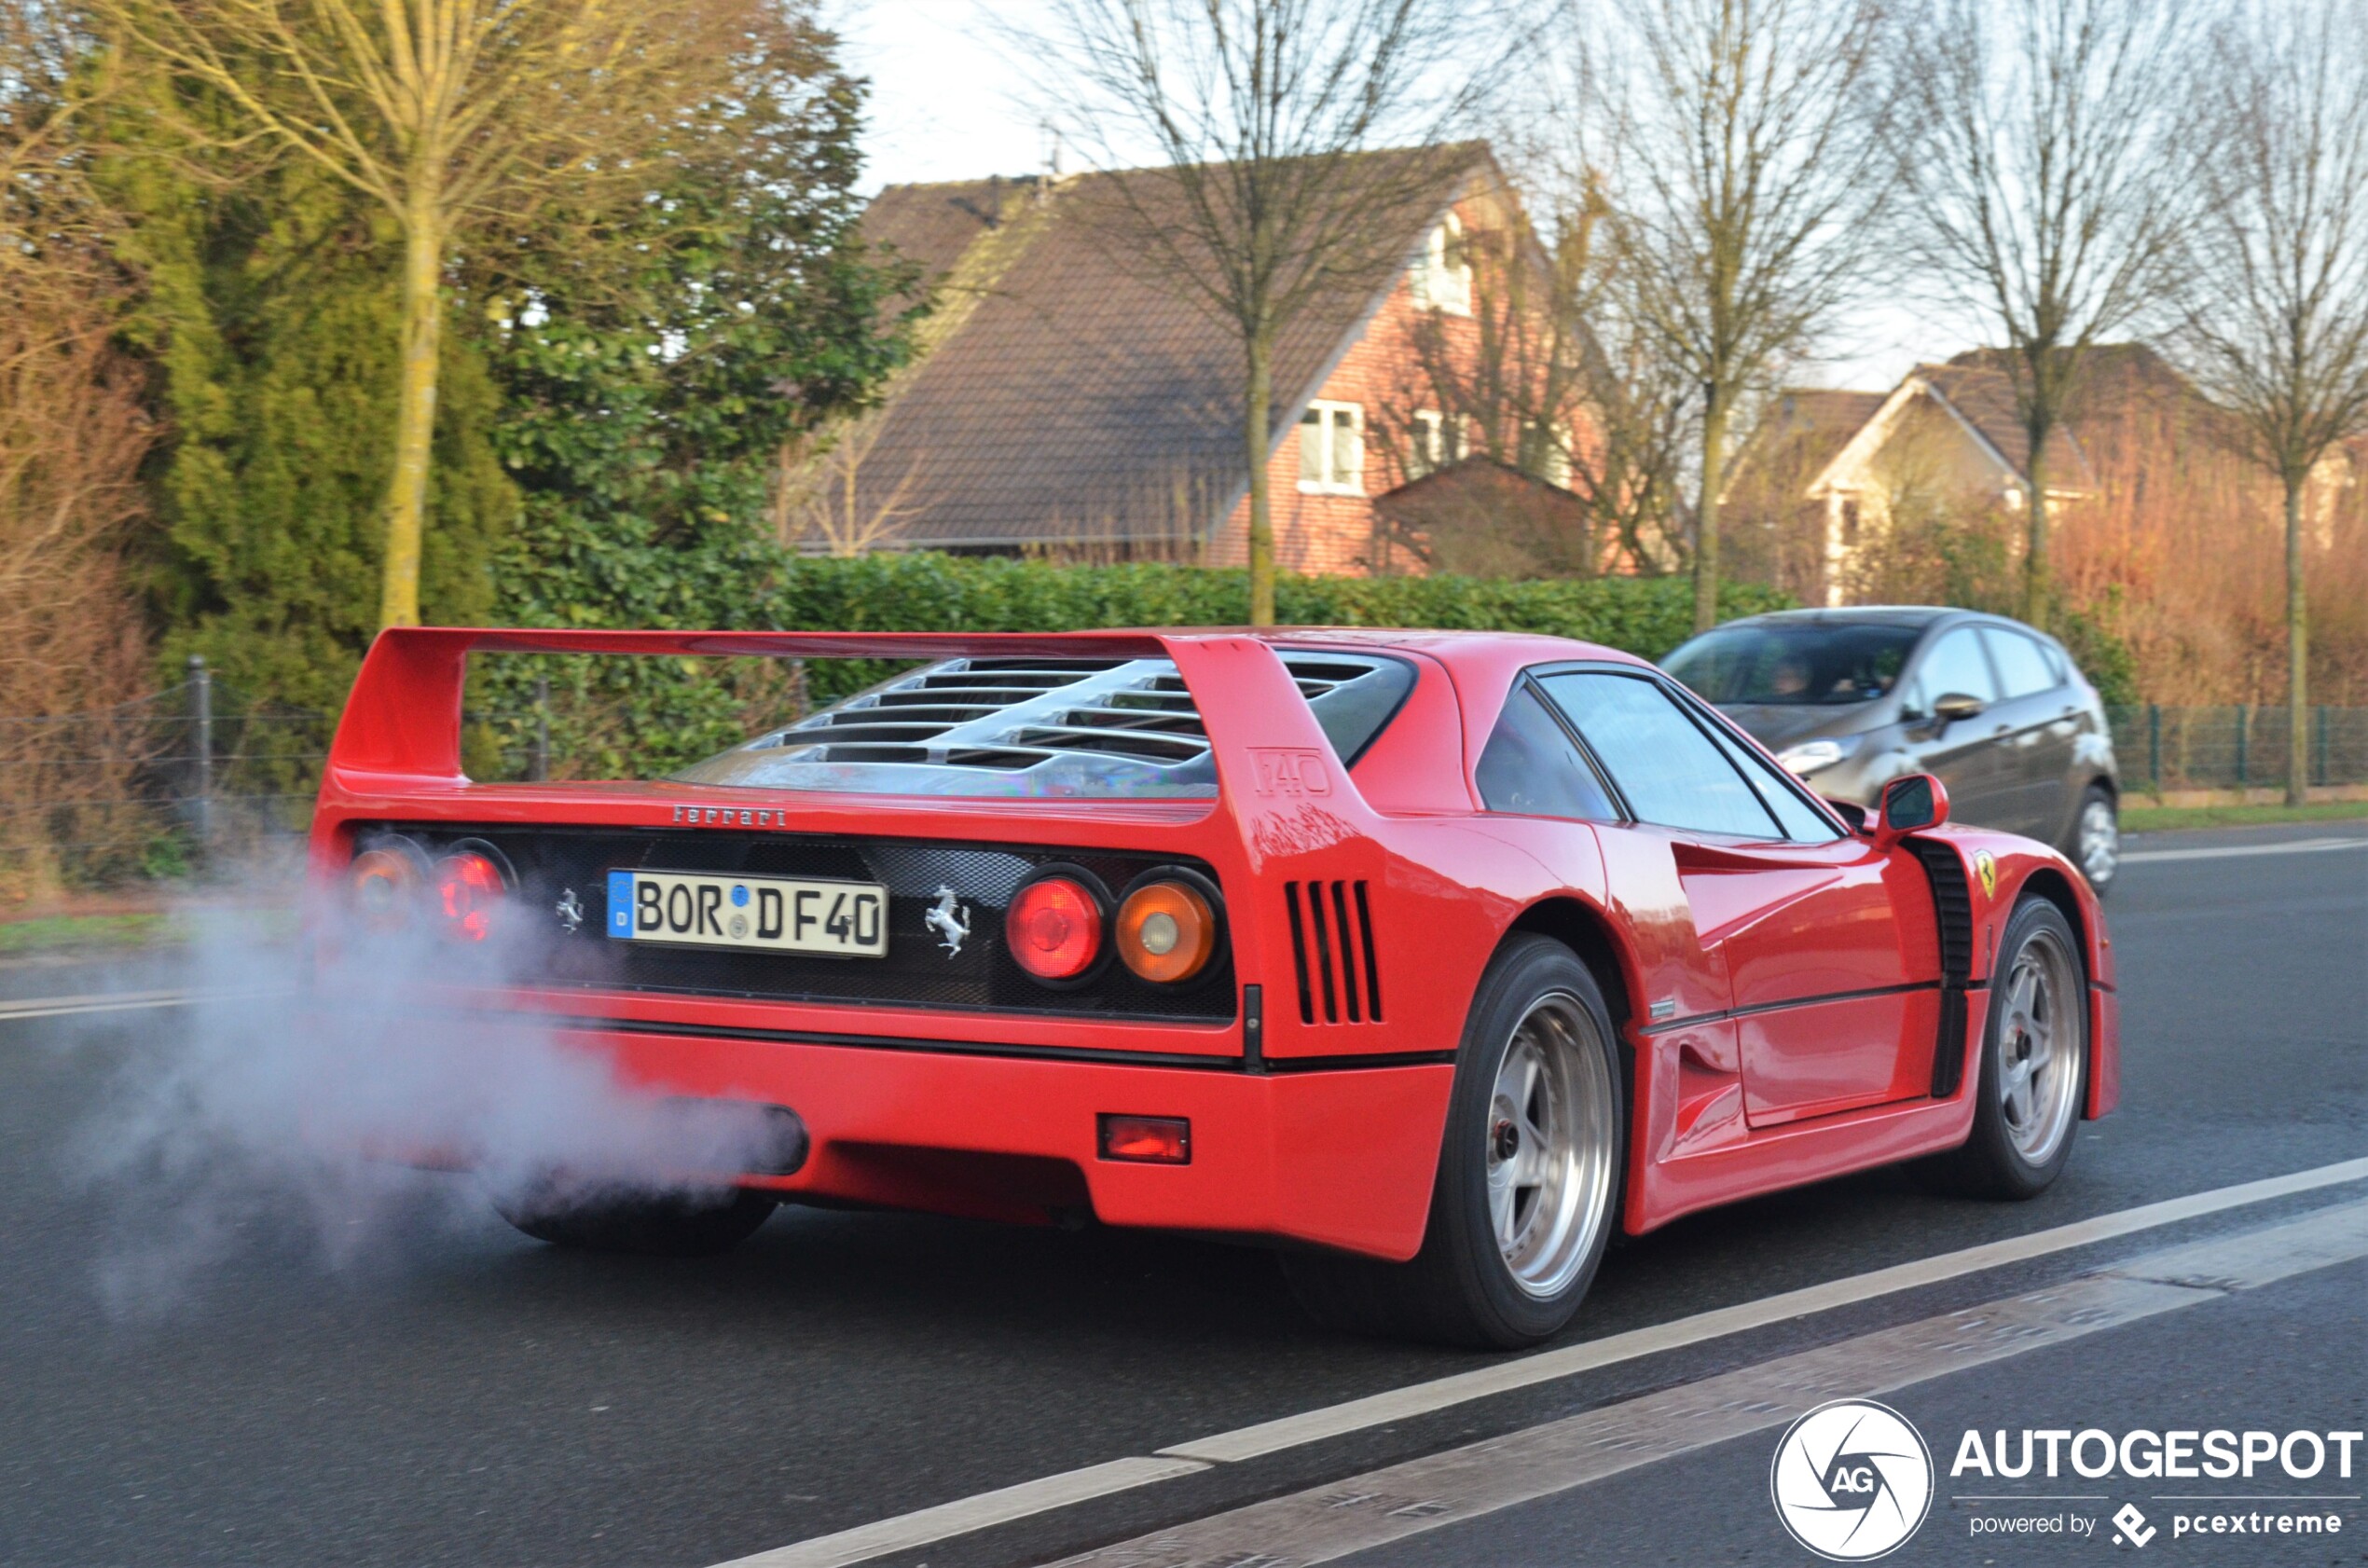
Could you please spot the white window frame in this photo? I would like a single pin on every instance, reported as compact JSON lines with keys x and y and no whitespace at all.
{"x":1339,"y":450}
{"x":1436,"y":281}
{"x":1438,"y":442}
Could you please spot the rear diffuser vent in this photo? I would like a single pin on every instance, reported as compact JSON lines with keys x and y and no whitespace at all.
{"x":1332,"y":952}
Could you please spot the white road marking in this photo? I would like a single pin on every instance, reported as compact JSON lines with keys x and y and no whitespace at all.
{"x":1422,"y":1399}
{"x":925,"y":1526}
{"x":964,"y":1515}
{"x":2225,"y":852}
{"x":128,"y":1001}
{"x":1390,"y":1505}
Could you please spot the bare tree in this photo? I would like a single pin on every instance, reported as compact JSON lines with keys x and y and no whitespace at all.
{"x":1271,"y":198}
{"x":822,"y":499}
{"x":444,"y":113}
{"x":1742,"y":142}
{"x":2044,"y":190}
{"x":2274,"y":323}
{"x":1554,"y":375}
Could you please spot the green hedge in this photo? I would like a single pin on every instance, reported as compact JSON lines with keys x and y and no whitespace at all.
{"x":618,"y":717}
{"x":951,"y":593}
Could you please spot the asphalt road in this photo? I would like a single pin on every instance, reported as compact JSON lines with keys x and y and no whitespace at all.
{"x":200,"y":1370}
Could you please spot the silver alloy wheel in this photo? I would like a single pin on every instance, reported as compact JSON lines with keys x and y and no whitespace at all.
{"x":2039,"y":1046}
{"x":1550,"y":1137}
{"x":2100,"y":842}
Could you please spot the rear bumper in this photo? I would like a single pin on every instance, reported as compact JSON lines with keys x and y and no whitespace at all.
{"x":1341,"y":1158}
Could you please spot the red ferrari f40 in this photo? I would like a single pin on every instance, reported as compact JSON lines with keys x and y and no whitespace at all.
{"x":1429,"y":958}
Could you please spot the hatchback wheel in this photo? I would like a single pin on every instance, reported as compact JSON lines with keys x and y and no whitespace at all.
{"x":1529,"y":1173}
{"x":2096,"y":838}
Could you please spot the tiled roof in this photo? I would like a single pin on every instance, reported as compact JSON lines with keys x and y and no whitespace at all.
{"x":1984,"y":398}
{"x":1069,"y":393}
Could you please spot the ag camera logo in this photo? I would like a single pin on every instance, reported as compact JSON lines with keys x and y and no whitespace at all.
{"x":1852,"y":1480}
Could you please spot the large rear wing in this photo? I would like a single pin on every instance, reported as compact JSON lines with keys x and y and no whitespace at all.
{"x":402,"y":724}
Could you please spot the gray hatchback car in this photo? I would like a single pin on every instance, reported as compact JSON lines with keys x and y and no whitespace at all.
{"x":1850,"y":699}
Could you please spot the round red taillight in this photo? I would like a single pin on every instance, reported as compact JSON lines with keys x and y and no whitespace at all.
{"x":384,"y":884}
{"x":468,"y":885}
{"x":1055,"y":929}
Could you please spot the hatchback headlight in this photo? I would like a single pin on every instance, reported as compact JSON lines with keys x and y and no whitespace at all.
{"x":1810,"y":755}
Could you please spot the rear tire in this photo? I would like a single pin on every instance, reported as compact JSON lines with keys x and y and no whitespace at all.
{"x":1529,"y":1173}
{"x":2034,"y":1063}
{"x":678,"y":1224}
{"x":2094,"y":844}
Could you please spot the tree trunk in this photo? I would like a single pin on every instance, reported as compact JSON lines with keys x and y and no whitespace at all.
{"x":2297,"y":654}
{"x":415,"y":415}
{"x":1258,"y":447}
{"x":1706,"y":513}
{"x":2035,"y":608}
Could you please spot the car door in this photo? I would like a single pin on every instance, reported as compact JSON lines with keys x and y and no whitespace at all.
{"x":2041,"y":720}
{"x":1963,"y":753}
{"x":1824,"y":940}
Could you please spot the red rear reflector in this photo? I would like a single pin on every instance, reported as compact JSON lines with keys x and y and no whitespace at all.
{"x":1157,"y":1140}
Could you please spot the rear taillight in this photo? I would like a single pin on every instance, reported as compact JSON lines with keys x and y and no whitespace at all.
{"x":1166,"y":932}
{"x":468,"y":889}
{"x":1054,"y":928}
{"x":384,"y":887}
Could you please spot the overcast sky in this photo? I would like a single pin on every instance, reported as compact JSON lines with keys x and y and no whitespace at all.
{"x":940,"y":110}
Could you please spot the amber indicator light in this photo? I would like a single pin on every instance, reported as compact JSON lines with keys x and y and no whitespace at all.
{"x":1166,"y":933}
{"x":1152,"y":1140}
{"x":382,"y":884}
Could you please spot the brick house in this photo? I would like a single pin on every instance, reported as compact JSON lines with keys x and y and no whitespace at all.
{"x":1066,"y":401}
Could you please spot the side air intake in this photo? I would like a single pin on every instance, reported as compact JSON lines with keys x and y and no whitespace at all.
{"x":1332,"y":952}
{"x":1953,"y":907}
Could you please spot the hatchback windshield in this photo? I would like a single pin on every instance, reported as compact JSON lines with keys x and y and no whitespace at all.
{"x":1797,"y":663}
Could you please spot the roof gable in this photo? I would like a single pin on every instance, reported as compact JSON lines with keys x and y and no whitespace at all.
{"x":1064,"y":394}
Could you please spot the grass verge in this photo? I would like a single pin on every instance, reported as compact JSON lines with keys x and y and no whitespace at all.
{"x":2154,"y":818}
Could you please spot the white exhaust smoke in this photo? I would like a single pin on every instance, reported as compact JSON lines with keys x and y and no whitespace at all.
{"x":322,"y":1069}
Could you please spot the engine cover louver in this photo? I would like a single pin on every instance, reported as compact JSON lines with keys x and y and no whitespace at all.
{"x":1332,"y":952}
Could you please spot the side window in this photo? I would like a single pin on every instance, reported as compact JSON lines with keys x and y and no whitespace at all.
{"x":1530,"y":766}
{"x":2022,"y":668}
{"x":1672,"y":773}
{"x":1802,"y":825}
{"x":1955,"y":664}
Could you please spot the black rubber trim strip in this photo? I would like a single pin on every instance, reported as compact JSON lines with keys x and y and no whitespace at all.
{"x":1664,"y":1025}
{"x":1087,"y":1054}
{"x":1357,"y":1063}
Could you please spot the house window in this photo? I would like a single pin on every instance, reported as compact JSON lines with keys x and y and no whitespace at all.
{"x":1332,"y":449}
{"x":1441,"y":278}
{"x":1550,"y":449}
{"x":1438,"y":441}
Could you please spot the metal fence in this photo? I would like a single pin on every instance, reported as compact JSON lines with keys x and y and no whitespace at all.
{"x":198,"y":772}
{"x":194,"y":772}
{"x":2163,"y":749}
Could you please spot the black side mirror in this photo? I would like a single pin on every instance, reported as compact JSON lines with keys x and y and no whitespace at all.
{"x":1954,"y":705}
{"x":1910,"y":805}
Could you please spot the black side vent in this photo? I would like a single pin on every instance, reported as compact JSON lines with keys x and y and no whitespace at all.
{"x":1954,"y":909}
{"x":1332,"y":952}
